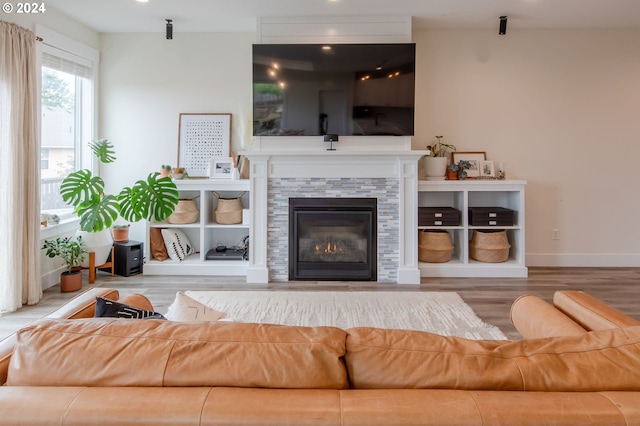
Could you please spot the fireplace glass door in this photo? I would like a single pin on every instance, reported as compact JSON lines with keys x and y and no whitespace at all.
{"x":332,"y":239}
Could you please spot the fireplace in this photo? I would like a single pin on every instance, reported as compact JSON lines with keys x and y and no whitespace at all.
{"x":333,"y":239}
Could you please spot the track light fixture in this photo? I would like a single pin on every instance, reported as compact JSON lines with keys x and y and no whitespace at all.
{"x":169,"y":29}
{"x":503,"y":25}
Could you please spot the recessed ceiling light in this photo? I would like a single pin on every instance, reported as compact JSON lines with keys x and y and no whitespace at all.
{"x":326,"y":47}
{"x":142,"y":1}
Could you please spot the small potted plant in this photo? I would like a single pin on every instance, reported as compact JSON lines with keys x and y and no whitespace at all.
{"x":463,"y":166}
{"x":165,"y":170}
{"x":458,"y":170}
{"x":436,"y":163}
{"x":452,"y":172}
{"x":177,"y":172}
{"x":121,"y":233}
{"x":72,"y":251}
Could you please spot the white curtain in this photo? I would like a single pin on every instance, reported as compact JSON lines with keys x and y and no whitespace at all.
{"x":19,"y":170}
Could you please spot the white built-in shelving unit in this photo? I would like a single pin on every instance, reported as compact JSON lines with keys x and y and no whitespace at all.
{"x":461,"y":195}
{"x":205,"y":233}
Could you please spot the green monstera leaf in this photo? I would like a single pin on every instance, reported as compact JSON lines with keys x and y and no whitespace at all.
{"x":84,"y":191}
{"x":98,"y":214}
{"x":80,"y":187}
{"x":155,"y":198}
{"x":103,"y":149}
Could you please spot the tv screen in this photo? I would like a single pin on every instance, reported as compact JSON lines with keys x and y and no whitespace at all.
{"x":343,"y":89}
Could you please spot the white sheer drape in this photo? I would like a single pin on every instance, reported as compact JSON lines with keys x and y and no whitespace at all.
{"x":19,"y":170}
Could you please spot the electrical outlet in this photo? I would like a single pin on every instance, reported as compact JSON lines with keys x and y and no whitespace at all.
{"x":555,"y":234}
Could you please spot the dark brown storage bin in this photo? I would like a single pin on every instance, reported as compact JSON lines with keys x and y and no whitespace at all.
{"x":438,"y":216}
{"x":491,"y":216}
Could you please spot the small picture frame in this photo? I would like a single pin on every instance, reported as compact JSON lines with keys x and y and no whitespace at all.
{"x":221,"y":168}
{"x":487,"y":169}
{"x":475,"y":158}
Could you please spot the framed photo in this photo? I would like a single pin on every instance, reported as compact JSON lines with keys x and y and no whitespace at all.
{"x":202,"y":137}
{"x":487,"y":169}
{"x":221,"y":168}
{"x":475,"y":158}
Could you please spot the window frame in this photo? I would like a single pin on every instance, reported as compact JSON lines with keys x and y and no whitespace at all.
{"x":64,"y":47}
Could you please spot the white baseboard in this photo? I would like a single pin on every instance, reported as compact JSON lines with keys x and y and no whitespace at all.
{"x":51,"y":279}
{"x":409,"y":276}
{"x":602,"y":260}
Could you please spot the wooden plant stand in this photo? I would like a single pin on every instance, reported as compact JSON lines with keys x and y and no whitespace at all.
{"x":92,"y":266}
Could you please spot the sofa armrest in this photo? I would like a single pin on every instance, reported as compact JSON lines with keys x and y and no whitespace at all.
{"x":81,"y":306}
{"x":533,"y":318}
{"x":591,"y":313}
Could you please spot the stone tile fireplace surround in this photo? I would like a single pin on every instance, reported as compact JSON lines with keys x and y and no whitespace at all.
{"x":381,"y":171}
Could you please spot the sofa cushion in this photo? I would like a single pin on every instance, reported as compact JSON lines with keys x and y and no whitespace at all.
{"x":112,"y":352}
{"x":597,"y":361}
{"x":158,"y":248}
{"x":106,"y":308}
{"x":534,"y":318}
{"x":589,"y":312}
{"x":186,"y":309}
{"x":138,"y":300}
{"x":177,"y":243}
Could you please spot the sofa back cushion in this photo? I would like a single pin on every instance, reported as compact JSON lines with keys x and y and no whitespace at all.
{"x":597,"y":361}
{"x":117,"y":352}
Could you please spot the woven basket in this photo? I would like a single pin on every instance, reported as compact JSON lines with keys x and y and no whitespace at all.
{"x":489,"y":246}
{"x":229,"y":210}
{"x":434,"y":246}
{"x":186,"y":212}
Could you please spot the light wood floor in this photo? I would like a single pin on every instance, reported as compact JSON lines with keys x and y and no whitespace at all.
{"x":490,"y":298}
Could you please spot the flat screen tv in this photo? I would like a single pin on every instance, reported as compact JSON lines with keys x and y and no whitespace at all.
{"x":342,"y":89}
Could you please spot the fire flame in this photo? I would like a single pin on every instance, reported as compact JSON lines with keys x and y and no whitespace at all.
{"x":329,"y":249}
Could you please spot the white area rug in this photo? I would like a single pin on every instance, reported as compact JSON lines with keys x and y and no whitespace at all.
{"x":443,"y":313}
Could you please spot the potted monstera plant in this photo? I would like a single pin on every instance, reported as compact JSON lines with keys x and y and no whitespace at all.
{"x":154,"y":198}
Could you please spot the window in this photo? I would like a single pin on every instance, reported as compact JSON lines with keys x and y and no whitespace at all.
{"x":66,"y":114}
{"x":44,"y":158}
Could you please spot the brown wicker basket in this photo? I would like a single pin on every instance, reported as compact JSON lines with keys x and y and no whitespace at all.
{"x":229,"y":210}
{"x":434,"y":246}
{"x":489,"y":246}
{"x":186,"y":212}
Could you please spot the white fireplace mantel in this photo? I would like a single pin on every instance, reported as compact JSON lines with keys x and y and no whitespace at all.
{"x":402,"y":165}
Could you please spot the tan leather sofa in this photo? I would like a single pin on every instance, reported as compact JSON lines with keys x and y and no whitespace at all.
{"x":107,"y":371}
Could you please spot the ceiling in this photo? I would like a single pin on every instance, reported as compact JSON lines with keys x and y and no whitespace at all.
{"x":107,"y":16}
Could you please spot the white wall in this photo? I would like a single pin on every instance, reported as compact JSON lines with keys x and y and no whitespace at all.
{"x":147,"y":81}
{"x":58,"y":22}
{"x":560,"y":109}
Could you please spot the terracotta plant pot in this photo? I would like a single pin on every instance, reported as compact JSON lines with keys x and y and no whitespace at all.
{"x":70,"y":281}
{"x":121,"y":234}
{"x":452,"y":174}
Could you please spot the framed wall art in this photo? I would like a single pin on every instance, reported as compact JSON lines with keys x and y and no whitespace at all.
{"x":202,"y":137}
{"x":475,"y":158}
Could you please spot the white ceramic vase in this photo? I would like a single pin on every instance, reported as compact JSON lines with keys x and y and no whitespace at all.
{"x":435,"y":167}
{"x":98,"y":242}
